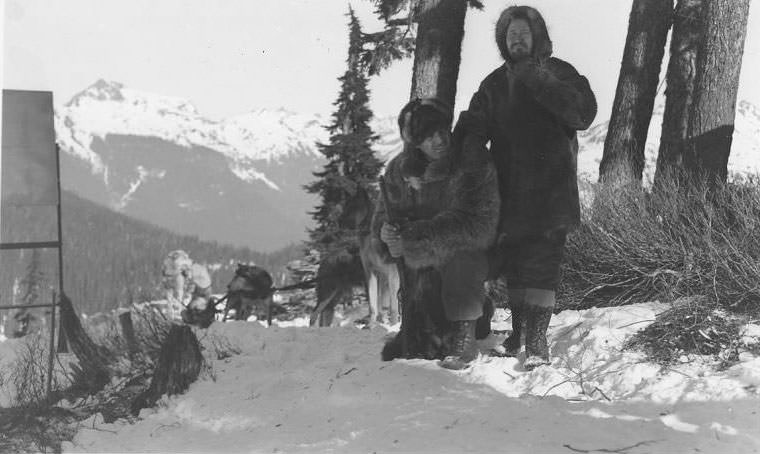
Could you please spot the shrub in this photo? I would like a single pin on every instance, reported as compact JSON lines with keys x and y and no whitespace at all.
{"x":638,"y":245}
{"x":689,"y":244}
{"x":691,"y":325}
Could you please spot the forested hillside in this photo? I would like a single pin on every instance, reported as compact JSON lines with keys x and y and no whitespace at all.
{"x":112,"y":259}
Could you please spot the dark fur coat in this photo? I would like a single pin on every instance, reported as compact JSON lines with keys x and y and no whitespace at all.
{"x":530,"y":111}
{"x":448,"y":208}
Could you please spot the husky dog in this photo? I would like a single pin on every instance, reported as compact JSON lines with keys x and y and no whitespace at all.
{"x":250,"y":293}
{"x":370,"y":268}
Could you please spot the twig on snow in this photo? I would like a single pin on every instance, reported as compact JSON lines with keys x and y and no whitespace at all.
{"x":618,"y":450}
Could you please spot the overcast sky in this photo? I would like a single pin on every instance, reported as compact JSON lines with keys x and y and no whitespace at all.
{"x":232,"y":56}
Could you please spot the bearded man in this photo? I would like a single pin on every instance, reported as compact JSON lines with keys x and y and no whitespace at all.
{"x":529,"y":109}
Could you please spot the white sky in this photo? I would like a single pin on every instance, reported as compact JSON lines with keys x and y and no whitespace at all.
{"x":232,"y":56}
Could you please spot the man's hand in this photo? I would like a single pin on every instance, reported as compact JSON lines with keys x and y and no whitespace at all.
{"x":529,"y":72}
{"x":392,"y":238}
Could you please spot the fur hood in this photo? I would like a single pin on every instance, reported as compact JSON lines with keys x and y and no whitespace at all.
{"x":542,"y":45}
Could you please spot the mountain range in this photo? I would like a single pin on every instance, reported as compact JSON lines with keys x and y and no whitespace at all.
{"x":240,"y":180}
{"x":156,"y":158}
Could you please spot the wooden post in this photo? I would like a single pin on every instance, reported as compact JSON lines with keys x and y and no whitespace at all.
{"x":51,"y":353}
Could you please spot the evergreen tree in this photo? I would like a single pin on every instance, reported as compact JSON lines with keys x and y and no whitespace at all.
{"x":351,"y":163}
{"x":34,"y":280}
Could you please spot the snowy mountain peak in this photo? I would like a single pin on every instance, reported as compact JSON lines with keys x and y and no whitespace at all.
{"x":101,"y":90}
{"x":748,"y":110}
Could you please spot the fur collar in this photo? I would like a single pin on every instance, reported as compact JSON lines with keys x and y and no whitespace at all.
{"x":417,"y":170}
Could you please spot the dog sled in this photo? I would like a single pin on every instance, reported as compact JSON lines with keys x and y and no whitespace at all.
{"x":250,"y":292}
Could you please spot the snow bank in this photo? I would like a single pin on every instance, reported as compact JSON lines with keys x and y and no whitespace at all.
{"x":293,"y":389}
{"x":588,"y":363}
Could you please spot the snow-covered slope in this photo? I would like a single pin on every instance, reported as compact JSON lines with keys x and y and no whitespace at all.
{"x":326,"y":390}
{"x":745,"y":149}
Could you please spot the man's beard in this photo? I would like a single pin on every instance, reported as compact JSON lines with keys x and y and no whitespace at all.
{"x":519,"y":53}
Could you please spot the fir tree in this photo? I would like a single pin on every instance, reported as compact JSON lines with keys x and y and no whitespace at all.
{"x":351,"y":163}
{"x":34,"y":280}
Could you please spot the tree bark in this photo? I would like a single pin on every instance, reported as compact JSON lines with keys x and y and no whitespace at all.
{"x":128,"y":331}
{"x":623,"y":159}
{"x":713,"y":110}
{"x":179,"y":364}
{"x":703,"y":78}
{"x":438,"y":49}
{"x":684,"y":47}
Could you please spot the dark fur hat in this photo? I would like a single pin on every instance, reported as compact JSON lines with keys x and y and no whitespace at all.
{"x":418,"y":120}
{"x":421,"y":117}
{"x":542,"y":45}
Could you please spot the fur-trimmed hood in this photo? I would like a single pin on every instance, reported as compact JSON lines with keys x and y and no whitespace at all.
{"x":542,"y":45}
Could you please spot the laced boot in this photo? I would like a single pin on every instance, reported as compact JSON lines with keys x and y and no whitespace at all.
{"x":464,"y":348}
{"x":512,"y":344}
{"x":538,"y":317}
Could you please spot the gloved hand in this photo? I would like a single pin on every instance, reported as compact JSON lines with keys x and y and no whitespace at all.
{"x":392,"y":238}
{"x":529,"y":72}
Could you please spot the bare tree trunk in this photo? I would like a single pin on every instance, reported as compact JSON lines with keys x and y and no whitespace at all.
{"x":438,"y":48}
{"x":684,"y":47}
{"x":92,"y":372}
{"x":179,"y":364}
{"x":128,"y":331}
{"x":623,"y":159}
{"x":713,"y":110}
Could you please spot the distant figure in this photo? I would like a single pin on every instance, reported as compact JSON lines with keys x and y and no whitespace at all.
{"x":186,"y":283}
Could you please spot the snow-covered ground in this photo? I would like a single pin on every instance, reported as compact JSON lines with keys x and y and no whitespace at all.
{"x":297,"y":389}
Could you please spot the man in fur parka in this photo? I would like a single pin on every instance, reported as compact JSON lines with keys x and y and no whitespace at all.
{"x":529,"y":109}
{"x":449,"y":203}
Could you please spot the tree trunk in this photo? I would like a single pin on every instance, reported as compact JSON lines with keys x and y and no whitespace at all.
{"x":703,"y":78}
{"x":179,"y":364}
{"x":92,"y":373}
{"x":438,"y":49}
{"x":684,"y":47}
{"x":128,"y":331}
{"x":711,"y":121}
{"x":437,"y":56}
{"x":624,"y":147}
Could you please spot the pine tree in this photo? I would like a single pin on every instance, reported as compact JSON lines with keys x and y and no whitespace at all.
{"x":31,"y":288}
{"x":351,"y":162}
{"x":34,"y":280}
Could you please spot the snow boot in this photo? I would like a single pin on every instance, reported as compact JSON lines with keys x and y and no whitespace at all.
{"x":513,"y":343}
{"x":464,"y":348}
{"x":539,"y":307}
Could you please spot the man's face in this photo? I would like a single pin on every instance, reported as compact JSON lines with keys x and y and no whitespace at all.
{"x":436,"y":145}
{"x":519,"y":39}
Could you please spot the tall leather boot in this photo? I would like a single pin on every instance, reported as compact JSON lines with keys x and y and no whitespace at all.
{"x":513,"y":343}
{"x":539,"y":307}
{"x":464,"y":348}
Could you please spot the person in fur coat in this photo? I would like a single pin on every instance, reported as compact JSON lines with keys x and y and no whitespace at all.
{"x":529,"y":109}
{"x":450,"y":206}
